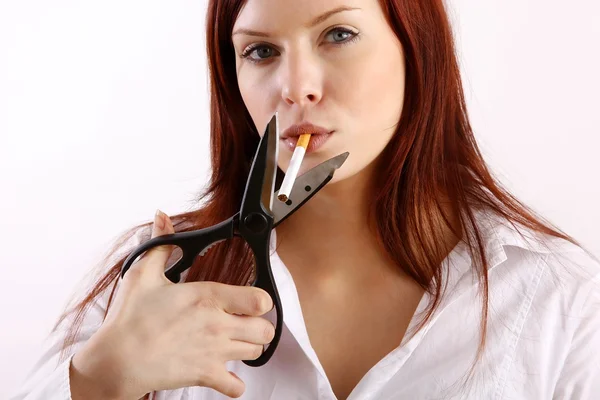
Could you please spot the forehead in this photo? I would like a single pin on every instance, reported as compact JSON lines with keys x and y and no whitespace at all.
{"x":270,"y":15}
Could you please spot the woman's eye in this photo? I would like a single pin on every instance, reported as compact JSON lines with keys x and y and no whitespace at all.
{"x":340,"y":35}
{"x":261,"y":52}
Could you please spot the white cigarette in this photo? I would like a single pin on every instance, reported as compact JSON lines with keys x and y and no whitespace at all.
{"x":294,"y":167}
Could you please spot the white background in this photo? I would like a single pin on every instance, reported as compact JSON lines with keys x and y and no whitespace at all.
{"x":104,"y":118}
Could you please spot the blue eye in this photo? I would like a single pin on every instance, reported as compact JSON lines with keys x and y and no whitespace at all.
{"x":260,"y":52}
{"x":341,"y":35}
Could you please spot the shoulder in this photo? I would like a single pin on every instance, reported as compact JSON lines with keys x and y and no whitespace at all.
{"x":544,"y":298}
{"x":509,"y":241}
{"x":561,"y":276}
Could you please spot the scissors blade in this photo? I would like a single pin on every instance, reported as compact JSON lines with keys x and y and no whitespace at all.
{"x":261,"y":181}
{"x":272,"y":137}
{"x":306,"y":186}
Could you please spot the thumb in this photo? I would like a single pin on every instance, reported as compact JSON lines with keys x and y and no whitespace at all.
{"x":157,"y":257}
{"x":162,"y":224}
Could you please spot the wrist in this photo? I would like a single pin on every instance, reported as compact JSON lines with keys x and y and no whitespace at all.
{"x":96,"y":372}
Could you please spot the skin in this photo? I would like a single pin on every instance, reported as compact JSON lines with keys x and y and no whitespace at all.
{"x":348,"y":288}
{"x":345,"y":73}
{"x":349,"y":291}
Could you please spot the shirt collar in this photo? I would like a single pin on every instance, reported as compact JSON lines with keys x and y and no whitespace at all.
{"x":497,"y":235}
{"x":460,"y":277}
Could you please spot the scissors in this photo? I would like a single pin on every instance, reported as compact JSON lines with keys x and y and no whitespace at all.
{"x":258,"y":215}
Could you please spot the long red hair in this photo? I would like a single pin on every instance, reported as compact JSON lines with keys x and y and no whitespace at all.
{"x":432,"y":156}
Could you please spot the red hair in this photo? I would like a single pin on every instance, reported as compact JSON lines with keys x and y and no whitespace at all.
{"x":433,"y":155}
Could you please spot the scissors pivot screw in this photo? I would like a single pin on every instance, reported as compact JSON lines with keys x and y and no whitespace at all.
{"x":256,"y":222}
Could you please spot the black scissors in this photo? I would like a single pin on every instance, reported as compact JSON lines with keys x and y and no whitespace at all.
{"x":258,"y":215}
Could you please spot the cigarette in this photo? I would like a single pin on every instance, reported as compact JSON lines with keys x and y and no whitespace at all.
{"x":294,"y":167}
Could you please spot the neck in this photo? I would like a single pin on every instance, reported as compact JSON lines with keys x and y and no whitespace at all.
{"x":331,"y":240}
{"x":331,"y":236}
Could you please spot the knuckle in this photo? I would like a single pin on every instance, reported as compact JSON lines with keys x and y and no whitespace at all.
{"x":206,"y":302}
{"x":215,"y":328}
{"x":257,"y":352}
{"x":135,"y":272}
{"x":255,"y":303}
{"x":258,"y":302}
{"x":209,"y":289}
{"x":268,"y":332}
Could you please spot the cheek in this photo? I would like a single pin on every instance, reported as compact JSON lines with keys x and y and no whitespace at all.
{"x":257,"y":94}
{"x":249,"y":96}
{"x":377,"y":91}
{"x":371,"y":94}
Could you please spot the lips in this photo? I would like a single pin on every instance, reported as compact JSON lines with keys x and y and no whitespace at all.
{"x":316,"y":141}
{"x":319,"y":136}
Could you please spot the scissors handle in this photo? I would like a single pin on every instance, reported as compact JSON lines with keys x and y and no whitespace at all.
{"x":256,"y":231}
{"x":192,"y":244}
{"x":258,"y":237}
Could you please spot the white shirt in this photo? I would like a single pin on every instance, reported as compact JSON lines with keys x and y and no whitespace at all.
{"x":543,"y":336}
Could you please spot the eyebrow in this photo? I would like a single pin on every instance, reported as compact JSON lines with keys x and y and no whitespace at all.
{"x":311,"y":24}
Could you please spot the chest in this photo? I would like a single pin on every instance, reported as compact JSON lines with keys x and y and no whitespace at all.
{"x":352,"y":330}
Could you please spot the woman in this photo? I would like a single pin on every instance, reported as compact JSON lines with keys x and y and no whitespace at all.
{"x":412,"y":274}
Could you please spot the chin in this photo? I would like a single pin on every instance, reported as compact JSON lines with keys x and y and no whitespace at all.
{"x":342,"y":174}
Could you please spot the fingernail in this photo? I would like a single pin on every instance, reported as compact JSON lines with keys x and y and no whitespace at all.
{"x":159,"y":219}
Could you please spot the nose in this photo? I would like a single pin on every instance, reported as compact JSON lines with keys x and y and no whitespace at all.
{"x":301,"y":81}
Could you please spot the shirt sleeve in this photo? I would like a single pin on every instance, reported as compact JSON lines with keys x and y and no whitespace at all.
{"x":580,"y":375}
{"x":48,"y":379}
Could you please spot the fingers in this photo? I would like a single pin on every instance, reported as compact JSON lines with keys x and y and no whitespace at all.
{"x":246,"y":300}
{"x":237,"y":350}
{"x":226,"y":382}
{"x":253,"y":330}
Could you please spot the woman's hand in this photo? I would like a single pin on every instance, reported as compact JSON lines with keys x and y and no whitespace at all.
{"x":159,"y":335}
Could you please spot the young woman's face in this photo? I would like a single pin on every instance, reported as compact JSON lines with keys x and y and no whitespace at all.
{"x":336,"y":64}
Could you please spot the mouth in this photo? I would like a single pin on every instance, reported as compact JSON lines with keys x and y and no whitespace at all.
{"x":319,"y":136}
